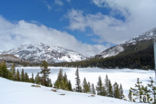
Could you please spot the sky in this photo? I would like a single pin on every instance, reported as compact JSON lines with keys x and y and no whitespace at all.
{"x":85,"y":26}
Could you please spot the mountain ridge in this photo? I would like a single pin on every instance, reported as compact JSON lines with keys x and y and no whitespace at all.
{"x":146,"y":36}
{"x":35,"y":53}
{"x":135,"y":53}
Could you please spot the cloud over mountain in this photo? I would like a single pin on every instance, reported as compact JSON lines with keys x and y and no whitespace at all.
{"x":125,"y":20}
{"x":13,"y":34}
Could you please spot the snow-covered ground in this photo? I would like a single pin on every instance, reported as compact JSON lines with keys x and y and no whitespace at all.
{"x":126,"y":77}
{"x":12,"y":92}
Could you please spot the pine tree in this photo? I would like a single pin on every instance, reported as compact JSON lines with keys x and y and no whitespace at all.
{"x":49,"y":83}
{"x":37,"y":79}
{"x":146,"y":94}
{"x":121,"y":95}
{"x":13,"y":71}
{"x":108,"y":87}
{"x":100,"y":88}
{"x":62,"y":81}
{"x":22,"y":75}
{"x":89,"y":87}
{"x":152,"y":89}
{"x":78,"y":86}
{"x":59,"y":81}
{"x":138,"y":91}
{"x":32,"y":78}
{"x":86,"y":87}
{"x":18,"y":75}
{"x":130,"y":95}
{"x":65,"y":82}
{"x":93,"y":89}
{"x":69,"y":86}
{"x":116,"y":90}
{"x":26,"y":77}
{"x":110,"y":90}
{"x":3,"y":70}
{"x":45,"y":71}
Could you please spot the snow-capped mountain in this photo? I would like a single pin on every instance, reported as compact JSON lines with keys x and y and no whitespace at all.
{"x":8,"y":57}
{"x":38,"y":52}
{"x":113,"y":51}
{"x":145,"y":36}
{"x":134,"y":42}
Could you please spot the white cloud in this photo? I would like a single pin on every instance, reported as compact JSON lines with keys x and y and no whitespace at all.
{"x":14,"y":34}
{"x":139,"y":17}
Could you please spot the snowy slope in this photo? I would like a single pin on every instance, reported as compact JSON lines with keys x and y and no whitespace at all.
{"x":39,"y":52}
{"x":22,"y":93}
{"x":113,"y":51}
{"x":8,"y":57}
{"x":145,"y":36}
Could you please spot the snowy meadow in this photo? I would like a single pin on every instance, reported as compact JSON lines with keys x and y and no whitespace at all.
{"x":126,"y":77}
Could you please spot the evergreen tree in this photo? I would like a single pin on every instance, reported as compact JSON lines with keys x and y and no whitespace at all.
{"x":22,"y":75}
{"x":108,"y":87}
{"x":152,"y":89}
{"x":100,"y":88}
{"x":146,"y":94}
{"x":49,"y":83}
{"x":13,"y":71}
{"x":3,"y":70}
{"x":37,"y":79}
{"x":116,"y":90}
{"x":130,"y":95}
{"x":59,"y":81}
{"x":89,"y":87}
{"x":78,"y":86}
{"x":18,"y":75}
{"x":143,"y":93}
{"x":26,"y":77}
{"x":93,"y":89}
{"x":110,"y":90}
{"x":86,"y":87}
{"x":32,"y":78}
{"x":69,"y":86}
{"x":65,"y":82}
{"x":107,"y":84}
{"x":138,"y":91}
{"x":1,"y":73}
{"x":121,"y":95}
{"x":62,"y":81}
{"x":45,"y":71}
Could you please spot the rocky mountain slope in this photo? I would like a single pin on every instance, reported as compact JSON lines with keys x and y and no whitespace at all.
{"x":135,"y":44}
{"x":35,"y":53}
{"x":9,"y":57}
{"x":135,"y":53}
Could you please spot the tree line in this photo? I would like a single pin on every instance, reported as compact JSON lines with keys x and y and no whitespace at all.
{"x":62,"y":82}
{"x":134,"y":57}
{"x":140,"y":93}
{"x":15,"y":74}
{"x":103,"y":89}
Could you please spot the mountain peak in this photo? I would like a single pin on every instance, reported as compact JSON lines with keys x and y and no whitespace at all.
{"x":38,"y":52}
{"x":113,"y":51}
{"x":145,"y":36}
